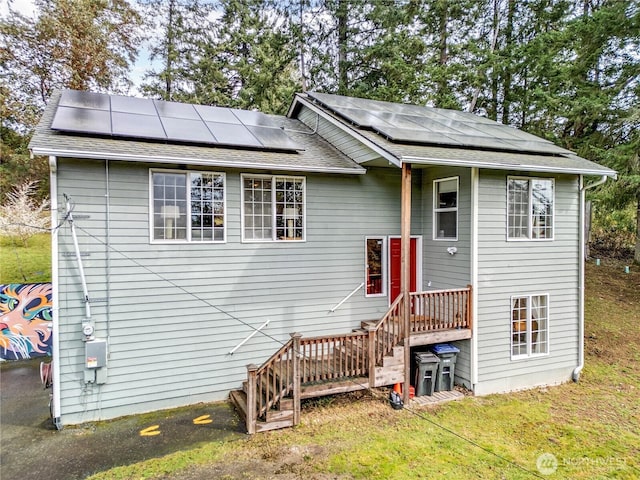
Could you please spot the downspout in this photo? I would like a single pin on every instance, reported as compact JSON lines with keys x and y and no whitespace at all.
{"x":583,"y":188}
{"x":475,"y":182}
{"x":55,"y":304}
{"x":108,"y":250}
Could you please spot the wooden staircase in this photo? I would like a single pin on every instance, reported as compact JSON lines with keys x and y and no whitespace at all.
{"x":371,"y":356}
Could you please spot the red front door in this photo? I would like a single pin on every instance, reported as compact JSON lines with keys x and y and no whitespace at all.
{"x":395,"y":267}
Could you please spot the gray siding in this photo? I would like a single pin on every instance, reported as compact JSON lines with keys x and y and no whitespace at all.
{"x":442,"y":270}
{"x":347,"y":144}
{"x":508,"y":269}
{"x":174,"y":311}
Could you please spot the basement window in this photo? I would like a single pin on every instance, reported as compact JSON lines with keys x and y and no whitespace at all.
{"x":187,"y":206}
{"x":529,"y":326}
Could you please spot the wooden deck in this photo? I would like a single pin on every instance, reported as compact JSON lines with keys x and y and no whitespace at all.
{"x":372,"y":356}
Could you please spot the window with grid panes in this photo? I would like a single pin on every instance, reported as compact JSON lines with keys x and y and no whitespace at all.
{"x":530,"y":208}
{"x":529,"y":325}
{"x":187,"y":206}
{"x":273,"y":208}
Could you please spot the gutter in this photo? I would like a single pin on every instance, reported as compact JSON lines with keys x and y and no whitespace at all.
{"x":55,"y":303}
{"x":575,"y":376}
{"x":504,"y":166}
{"x":95,"y":155}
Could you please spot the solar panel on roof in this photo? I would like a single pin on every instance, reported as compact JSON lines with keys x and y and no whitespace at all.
{"x":84,"y":120}
{"x":187,"y":130}
{"x":75,"y":98}
{"x":101,"y":114}
{"x":433,"y":126}
{"x":216,"y":114}
{"x":141,"y":106}
{"x":249,"y":117}
{"x":136,"y":125}
{"x":231,"y":134}
{"x":176,"y":110}
{"x":275,"y":137}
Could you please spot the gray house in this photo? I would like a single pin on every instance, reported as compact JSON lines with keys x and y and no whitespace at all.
{"x":320,"y":249}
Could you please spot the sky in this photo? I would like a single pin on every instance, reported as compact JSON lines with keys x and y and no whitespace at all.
{"x":24,"y":7}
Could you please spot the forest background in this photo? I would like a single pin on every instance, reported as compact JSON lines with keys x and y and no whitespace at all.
{"x":566,"y":70}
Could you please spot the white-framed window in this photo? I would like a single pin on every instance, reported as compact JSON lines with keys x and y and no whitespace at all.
{"x":375,"y":267}
{"x":273,"y":208}
{"x":529,"y":325}
{"x":187,"y":206}
{"x":530,"y":207}
{"x":445,"y":208}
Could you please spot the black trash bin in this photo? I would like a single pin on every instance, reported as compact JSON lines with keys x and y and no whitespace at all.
{"x":426,"y":373}
{"x":447,"y":354}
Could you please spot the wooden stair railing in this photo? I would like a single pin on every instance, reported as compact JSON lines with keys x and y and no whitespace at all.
{"x":272,"y":394}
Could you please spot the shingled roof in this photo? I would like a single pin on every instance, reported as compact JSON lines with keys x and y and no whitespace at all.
{"x":353,"y":116}
{"x":317,"y":156}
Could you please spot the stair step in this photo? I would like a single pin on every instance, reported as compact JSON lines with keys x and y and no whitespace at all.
{"x":239,"y":400}
{"x":279,"y":415}
{"x":266,"y":426}
{"x":368,"y":323}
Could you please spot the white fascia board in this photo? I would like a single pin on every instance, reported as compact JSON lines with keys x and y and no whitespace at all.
{"x":194,"y":161}
{"x":345,"y":128}
{"x":503,"y":166}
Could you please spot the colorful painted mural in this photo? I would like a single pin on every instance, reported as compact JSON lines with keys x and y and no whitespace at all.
{"x":25,"y":320}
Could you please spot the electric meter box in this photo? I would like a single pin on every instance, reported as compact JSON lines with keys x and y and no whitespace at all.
{"x":96,"y":353}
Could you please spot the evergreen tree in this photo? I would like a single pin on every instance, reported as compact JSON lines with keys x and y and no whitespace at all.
{"x":182,"y":27}
{"x":78,"y":44}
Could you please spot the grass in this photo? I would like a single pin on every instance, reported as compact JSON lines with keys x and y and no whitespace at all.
{"x":30,"y":264}
{"x":591,"y":427}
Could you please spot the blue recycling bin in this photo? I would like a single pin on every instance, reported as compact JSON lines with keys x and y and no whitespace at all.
{"x":447,"y":354}
{"x":426,"y":373}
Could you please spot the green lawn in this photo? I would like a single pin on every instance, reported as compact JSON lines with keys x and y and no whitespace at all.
{"x":30,"y":264}
{"x":592,"y":428}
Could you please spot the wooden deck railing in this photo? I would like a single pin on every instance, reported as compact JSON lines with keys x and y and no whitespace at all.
{"x":440,"y":310}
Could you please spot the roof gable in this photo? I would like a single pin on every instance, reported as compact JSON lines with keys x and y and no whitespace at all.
{"x":430,"y":136}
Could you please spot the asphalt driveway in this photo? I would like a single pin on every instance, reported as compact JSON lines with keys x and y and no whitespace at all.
{"x":30,"y":447}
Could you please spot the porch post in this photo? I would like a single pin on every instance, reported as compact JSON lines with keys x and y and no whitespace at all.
{"x":405,"y":232}
{"x":251,"y":398}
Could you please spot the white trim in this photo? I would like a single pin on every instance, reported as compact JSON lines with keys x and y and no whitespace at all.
{"x":418,"y":263}
{"x":273,"y":179}
{"x":345,"y":128}
{"x":188,"y":240}
{"x":217,"y":163}
{"x":529,"y":342}
{"x":504,"y":166}
{"x":55,"y":295}
{"x":384,"y":265}
{"x":436,"y":210}
{"x":475,"y":207}
{"x":530,"y":215}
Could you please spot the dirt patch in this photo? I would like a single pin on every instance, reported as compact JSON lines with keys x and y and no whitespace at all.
{"x":282,"y":463}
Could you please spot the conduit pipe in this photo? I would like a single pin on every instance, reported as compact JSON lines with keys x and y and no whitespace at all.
{"x":83,"y":280}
